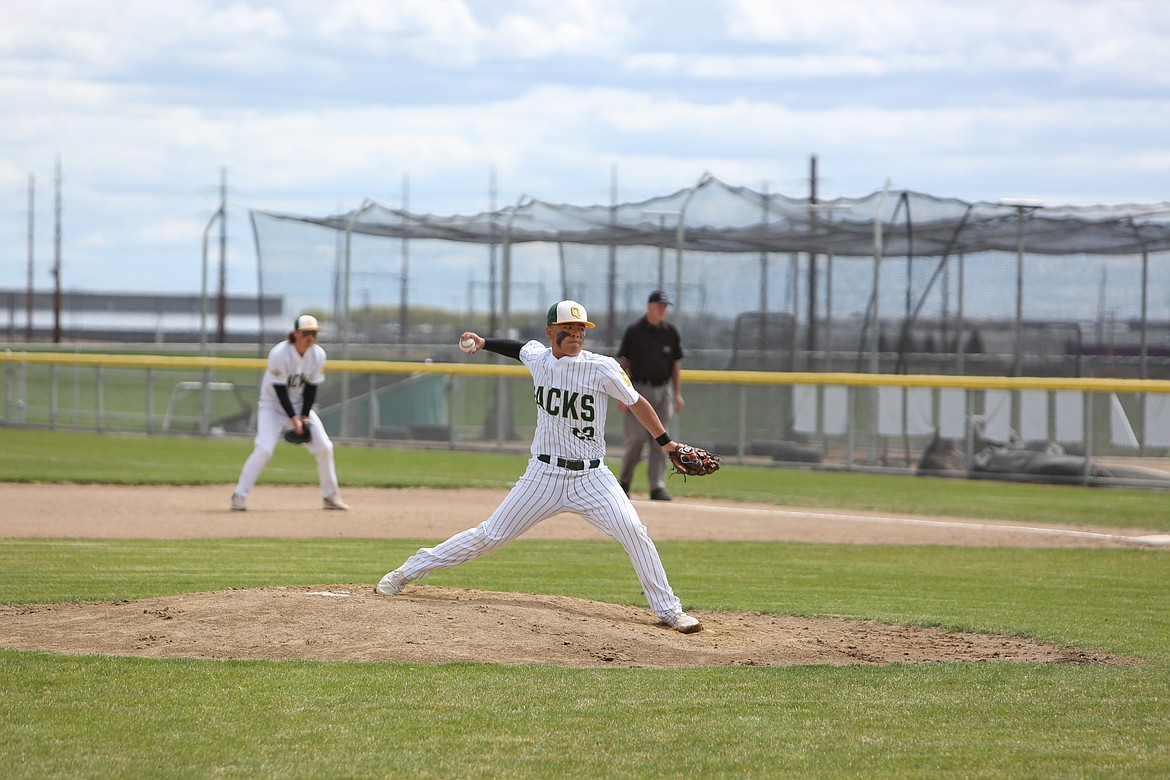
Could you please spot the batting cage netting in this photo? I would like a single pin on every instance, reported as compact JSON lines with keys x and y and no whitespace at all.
{"x":894,"y":282}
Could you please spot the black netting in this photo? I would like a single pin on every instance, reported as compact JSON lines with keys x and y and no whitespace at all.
{"x":894,"y":281}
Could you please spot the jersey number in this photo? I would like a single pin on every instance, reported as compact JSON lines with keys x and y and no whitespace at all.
{"x":588,"y":433}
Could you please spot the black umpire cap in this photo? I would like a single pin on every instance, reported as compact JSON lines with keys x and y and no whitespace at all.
{"x":659,"y":297}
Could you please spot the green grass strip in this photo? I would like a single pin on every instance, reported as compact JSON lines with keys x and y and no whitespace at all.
{"x":68,"y":716}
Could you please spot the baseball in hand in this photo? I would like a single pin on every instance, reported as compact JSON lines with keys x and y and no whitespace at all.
{"x":467,"y":345}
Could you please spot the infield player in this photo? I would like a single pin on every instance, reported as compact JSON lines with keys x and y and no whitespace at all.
{"x":567,"y":471}
{"x":296,"y":366}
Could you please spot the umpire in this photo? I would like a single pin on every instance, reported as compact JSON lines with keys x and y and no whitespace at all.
{"x":650,"y":352}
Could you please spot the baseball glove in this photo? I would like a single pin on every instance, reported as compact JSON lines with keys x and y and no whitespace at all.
{"x":693,"y":461}
{"x":292,"y":437}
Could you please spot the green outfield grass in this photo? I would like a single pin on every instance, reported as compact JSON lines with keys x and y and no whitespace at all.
{"x":74,"y":716}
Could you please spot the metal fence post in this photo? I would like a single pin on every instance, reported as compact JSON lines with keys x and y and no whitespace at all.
{"x":741,"y":447}
{"x":372,"y":428}
{"x":9,"y":370}
{"x":100,"y":397}
{"x":150,"y":400}
{"x":52,"y":397}
{"x":1088,"y":404}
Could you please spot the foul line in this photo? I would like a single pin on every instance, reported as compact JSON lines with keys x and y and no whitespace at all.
{"x":1150,"y":540}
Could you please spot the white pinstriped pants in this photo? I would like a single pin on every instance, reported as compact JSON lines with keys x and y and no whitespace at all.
{"x":545,"y":490}
{"x":270,"y":424}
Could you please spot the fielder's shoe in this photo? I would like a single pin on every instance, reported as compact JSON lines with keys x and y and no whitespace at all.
{"x":659,"y":494}
{"x":238,"y":504}
{"x":391,"y":585}
{"x":626,"y":487}
{"x":683,"y":623}
{"x":334,"y":502}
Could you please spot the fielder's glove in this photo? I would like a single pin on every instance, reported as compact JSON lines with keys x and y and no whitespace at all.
{"x":292,"y":437}
{"x":693,"y":461}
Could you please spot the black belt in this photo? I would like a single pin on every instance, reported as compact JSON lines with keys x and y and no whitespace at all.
{"x":652,"y":384}
{"x":571,"y":465}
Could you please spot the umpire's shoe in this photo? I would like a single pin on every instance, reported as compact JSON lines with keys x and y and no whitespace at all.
{"x":683,"y":623}
{"x":391,"y":585}
{"x":238,"y":504}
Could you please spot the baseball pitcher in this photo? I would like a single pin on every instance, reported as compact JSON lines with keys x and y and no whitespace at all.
{"x":566,"y":472}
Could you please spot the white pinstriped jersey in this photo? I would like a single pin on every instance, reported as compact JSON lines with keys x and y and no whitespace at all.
{"x":571,"y":396}
{"x":287,"y":367}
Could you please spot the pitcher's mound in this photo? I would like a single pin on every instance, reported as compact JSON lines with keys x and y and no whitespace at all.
{"x":427,"y":624}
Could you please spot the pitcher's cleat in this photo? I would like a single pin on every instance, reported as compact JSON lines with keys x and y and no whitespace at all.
{"x":391,"y":585}
{"x":335,"y":502}
{"x":683,"y":623}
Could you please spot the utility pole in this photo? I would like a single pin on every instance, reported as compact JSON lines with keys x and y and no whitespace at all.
{"x":32,"y":198}
{"x":611,"y":297}
{"x":221,"y":311}
{"x":493,"y":322}
{"x":811,"y":345}
{"x":404,"y":278}
{"x":57,"y":254}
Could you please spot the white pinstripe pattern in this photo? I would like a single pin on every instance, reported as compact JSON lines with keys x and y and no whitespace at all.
{"x":270,"y":424}
{"x":545,"y":490}
{"x":570,"y":394}
{"x":288,"y":367}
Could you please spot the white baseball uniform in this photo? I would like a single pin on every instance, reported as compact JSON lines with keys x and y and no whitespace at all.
{"x":567,"y":473}
{"x":288,"y":367}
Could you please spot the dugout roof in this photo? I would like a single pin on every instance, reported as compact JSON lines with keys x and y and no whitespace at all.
{"x":715,"y":217}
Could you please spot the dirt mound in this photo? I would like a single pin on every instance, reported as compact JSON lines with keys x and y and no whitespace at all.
{"x":428,"y":624}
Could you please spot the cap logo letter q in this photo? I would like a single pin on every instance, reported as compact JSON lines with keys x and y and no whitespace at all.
{"x":576,"y":312}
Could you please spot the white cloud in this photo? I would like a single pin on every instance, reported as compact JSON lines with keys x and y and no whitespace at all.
{"x":573,"y":28}
{"x":441,"y":33}
{"x":314,"y":106}
{"x":1081,"y":41}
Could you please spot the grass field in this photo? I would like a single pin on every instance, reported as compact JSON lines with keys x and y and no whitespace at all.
{"x":75,"y":716}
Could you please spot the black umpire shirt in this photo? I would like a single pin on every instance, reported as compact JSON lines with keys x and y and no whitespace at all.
{"x":651,"y":351}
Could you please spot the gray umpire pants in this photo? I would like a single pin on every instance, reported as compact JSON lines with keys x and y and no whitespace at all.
{"x":661,"y":397}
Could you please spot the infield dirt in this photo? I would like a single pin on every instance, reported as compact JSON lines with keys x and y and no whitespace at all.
{"x":433,"y":624}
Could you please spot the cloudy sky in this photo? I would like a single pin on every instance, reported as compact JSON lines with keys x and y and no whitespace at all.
{"x":313,"y":106}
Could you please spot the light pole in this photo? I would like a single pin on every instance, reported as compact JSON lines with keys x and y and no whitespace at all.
{"x":204,"y":396}
{"x":828,"y":208}
{"x":1023,"y":207}
{"x":345,"y":313}
{"x":662,"y":214}
{"x":503,"y":401}
{"x":878,"y":249}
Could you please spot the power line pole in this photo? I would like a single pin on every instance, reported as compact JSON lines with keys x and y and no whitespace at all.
{"x":493,"y":322}
{"x":404,"y":279}
{"x":811,"y":345}
{"x":221,"y":311}
{"x":57,"y":255}
{"x":32,"y":198}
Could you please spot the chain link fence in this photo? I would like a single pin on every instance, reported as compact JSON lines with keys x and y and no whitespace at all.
{"x":1075,"y":431}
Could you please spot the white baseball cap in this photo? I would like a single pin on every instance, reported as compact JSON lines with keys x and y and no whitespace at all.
{"x":568,"y":311}
{"x":307,"y":322}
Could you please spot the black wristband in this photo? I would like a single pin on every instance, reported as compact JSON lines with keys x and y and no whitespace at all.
{"x":664,"y":439}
